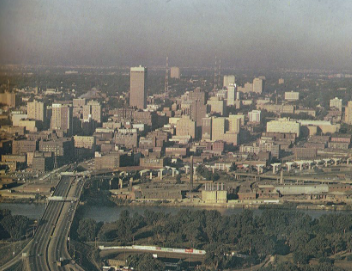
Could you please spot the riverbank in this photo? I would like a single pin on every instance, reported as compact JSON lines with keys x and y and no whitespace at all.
{"x":22,"y":200}
{"x":255,"y":204}
{"x":287,"y":205}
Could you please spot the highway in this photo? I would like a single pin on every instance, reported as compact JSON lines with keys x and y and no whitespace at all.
{"x":38,"y":255}
{"x":49,"y":243}
{"x":58,"y":246}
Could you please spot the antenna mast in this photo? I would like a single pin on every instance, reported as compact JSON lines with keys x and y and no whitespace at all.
{"x":215,"y":73}
{"x":167,"y":75}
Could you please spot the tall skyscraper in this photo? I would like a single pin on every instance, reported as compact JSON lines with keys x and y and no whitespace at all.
{"x":231,"y":94}
{"x":138,"y":87}
{"x":198,"y":108}
{"x":61,"y":118}
{"x":218,"y":128}
{"x":229,"y":80}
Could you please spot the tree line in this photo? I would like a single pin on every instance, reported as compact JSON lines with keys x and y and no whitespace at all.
{"x":238,"y":240}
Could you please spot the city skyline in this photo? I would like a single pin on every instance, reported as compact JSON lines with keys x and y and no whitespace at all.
{"x":242,"y":34}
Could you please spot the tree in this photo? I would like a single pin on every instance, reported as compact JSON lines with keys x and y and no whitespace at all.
{"x":144,"y":262}
{"x":178,"y":178}
{"x":216,"y":255}
{"x":87,"y":229}
{"x":15,"y":225}
{"x":301,"y":257}
{"x":233,"y":167}
{"x":215,"y":176}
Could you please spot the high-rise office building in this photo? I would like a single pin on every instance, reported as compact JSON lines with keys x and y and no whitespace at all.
{"x":36,"y":110}
{"x":229,"y":80}
{"x":198,"y":108}
{"x":61,"y":118}
{"x":231,"y":95}
{"x":217,"y":105}
{"x":226,"y":129}
{"x":218,"y":128}
{"x":206,"y":128}
{"x":138,"y":87}
{"x":175,"y":72}
{"x":186,"y":127}
{"x":234,"y":123}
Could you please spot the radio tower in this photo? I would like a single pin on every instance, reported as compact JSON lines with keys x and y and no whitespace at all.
{"x":167,"y":75}
{"x":219,"y":74}
{"x":215,"y":73}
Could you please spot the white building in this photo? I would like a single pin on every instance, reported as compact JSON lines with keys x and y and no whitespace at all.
{"x":283,"y":125}
{"x":292,"y":96}
{"x":254,"y":116}
{"x":258,"y":85}
{"x":229,"y":80}
{"x":231,"y":94}
{"x":337,"y":103}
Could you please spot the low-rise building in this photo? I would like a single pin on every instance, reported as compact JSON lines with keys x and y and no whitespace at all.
{"x":283,"y":125}
{"x":151,"y":162}
{"x":23,"y":146}
{"x":292,"y":96}
{"x":113,"y":160}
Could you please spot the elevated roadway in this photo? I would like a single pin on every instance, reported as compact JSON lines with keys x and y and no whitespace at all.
{"x":327,"y":178}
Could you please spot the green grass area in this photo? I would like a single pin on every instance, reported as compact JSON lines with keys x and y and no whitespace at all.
{"x":8,"y":250}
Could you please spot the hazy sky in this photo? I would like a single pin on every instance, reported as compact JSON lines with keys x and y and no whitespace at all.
{"x":286,"y":33}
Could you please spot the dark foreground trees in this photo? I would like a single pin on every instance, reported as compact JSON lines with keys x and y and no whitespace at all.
{"x":232,"y":241}
{"x":12,"y":226}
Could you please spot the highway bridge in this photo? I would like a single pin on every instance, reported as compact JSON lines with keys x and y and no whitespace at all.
{"x":50,"y":240}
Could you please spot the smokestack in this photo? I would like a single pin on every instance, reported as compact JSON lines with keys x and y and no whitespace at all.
{"x":191,"y":175}
{"x":282,"y":177}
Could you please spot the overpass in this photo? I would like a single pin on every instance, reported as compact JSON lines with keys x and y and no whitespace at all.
{"x":63,"y":199}
{"x":302,"y":178}
{"x":79,"y":174}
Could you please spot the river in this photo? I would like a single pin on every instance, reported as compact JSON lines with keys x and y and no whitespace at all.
{"x":112,"y":213}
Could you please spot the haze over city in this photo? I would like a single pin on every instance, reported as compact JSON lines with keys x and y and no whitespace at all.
{"x":243,"y":34}
{"x":164,"y":135}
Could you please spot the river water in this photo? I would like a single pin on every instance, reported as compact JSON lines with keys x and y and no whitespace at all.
{"x":112,"y":213}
